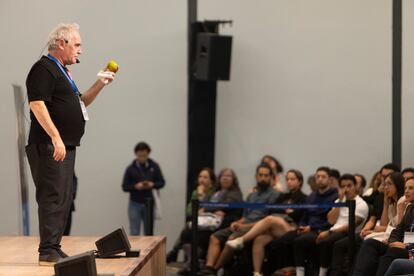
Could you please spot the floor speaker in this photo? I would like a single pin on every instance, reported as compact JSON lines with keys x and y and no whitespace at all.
{"x":113,"y":243}
{"x":80,"y":265}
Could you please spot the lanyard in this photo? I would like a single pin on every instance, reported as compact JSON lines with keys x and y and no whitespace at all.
{"x":72,"y":83}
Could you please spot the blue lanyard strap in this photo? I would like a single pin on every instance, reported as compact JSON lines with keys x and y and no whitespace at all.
{"x":72,"y":83}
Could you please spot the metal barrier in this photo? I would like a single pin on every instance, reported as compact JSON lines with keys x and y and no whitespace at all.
{"x":195,"y":205}
{"x":149,"y":204}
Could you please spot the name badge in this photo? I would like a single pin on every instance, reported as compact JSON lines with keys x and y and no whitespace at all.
{"x":408,"y":237}
{"x":84,"y":111}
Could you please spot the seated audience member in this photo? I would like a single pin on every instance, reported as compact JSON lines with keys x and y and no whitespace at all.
{"x":361,"y":183}
{"x":340,"y":248}
{"x":205,"y":186}
{"x":376,"y":200}
{"x":392,"y":213}
{"x":372,"y":189}
{"x":334,"y":176}
{"x":401,"y":267}
{"x":227,"y":191}
{"x":339,"y":217}
{"x":264,"y":193}
{"x":277,"y":169}
{"x":275,"y":225}
{"x":313,"y":221}
{"x":312,"y":183}
{"x":375,"y":256}
{"x":375,"y":187}
{"x":407,"y":173}
{"x":402,"y":202}
{"x":294,"y":182}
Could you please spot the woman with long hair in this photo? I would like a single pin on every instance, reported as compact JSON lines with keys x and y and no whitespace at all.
{"x":226,"y":191}
{"x":277,"y":169}
{"x":391,"y":215}
{"x":372,"y":191}
{"x":205,"y":186}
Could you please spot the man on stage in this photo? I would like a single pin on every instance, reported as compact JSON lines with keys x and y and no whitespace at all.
{"x":58,"y":115}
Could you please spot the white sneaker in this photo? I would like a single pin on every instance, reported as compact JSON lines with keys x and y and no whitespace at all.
{"x":236,"y":244}
{"x":257,"y":273}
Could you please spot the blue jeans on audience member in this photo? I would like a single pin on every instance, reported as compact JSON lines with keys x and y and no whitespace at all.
{"x":400,"y":266}
{"x":137,"y":212}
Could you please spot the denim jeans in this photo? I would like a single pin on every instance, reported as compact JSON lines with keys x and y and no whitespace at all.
{"x":137,"y":212}
{"x":400,"y":266}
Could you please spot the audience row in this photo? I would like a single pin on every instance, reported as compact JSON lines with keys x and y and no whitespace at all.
{"x":306,"y":240}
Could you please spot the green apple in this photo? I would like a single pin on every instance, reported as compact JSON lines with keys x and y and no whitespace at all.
{"x":112,"y":66}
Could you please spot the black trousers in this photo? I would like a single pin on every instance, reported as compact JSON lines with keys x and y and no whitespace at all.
{"x":375,"y":257}
{"x":54,"y":195}
{"x":279,"y":253}
{"x":325,"y":248}
{"x":302,"y":247}
{"x":203,"y":238}
{"x":68,"y":226}
{"x":340,"y":264}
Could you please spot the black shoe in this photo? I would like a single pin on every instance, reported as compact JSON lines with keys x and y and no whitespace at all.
{"x":184,"y":271}
{"x":61,"y":253}
{"x":49,"y":259}
{"x":172,"y":256}
{"x":207,"y":271}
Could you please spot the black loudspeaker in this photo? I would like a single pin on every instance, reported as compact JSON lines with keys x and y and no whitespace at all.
{"x":113,"y":243}
{"x":213,"y":56}
{"x":80,"y":265}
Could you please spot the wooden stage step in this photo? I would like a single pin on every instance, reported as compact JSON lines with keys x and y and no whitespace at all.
{"x":19,"y":256}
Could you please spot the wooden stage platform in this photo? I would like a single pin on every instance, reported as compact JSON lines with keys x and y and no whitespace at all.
{"x":19,"y":256}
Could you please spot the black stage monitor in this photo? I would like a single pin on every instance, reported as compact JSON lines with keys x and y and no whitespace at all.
{"x":113,"y":243}
{"x":80,"y":265}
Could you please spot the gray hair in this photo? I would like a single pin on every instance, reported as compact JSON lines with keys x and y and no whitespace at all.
{"x":61,"y":31}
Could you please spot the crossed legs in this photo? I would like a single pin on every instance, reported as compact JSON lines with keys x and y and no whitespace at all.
{"x":263,"y":232}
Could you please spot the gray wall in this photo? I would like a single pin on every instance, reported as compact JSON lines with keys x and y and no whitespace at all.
{"x":310,"y":83}
{"x":408,"y":83}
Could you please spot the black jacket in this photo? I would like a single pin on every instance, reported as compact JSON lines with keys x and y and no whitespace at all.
{"x":297,"y":197}
{"x":134,"y":173}
{"x":316,"y":218}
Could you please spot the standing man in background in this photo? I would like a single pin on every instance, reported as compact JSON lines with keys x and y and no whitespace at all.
{"x":140,"y":179}
{"x":58,"y":114}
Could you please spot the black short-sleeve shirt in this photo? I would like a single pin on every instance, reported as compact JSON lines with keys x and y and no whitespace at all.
{"x":46,"y":82}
